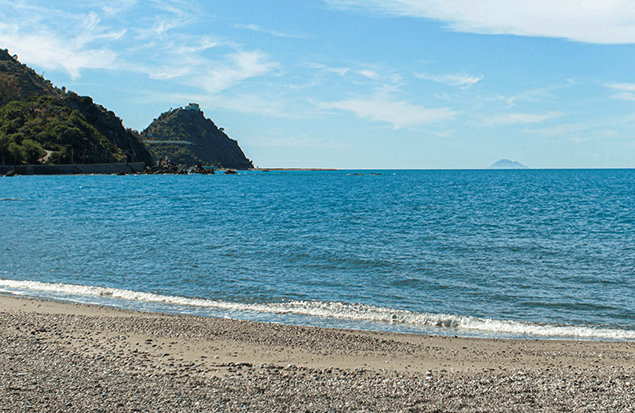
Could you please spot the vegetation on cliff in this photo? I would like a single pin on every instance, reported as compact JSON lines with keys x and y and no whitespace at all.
{"x":40,"y":123}
{"x":45,"y":128}
{"x":189,"y":138}
{"x":43,"y":124}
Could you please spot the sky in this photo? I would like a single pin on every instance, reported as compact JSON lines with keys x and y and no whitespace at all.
{"x":356,"y":84}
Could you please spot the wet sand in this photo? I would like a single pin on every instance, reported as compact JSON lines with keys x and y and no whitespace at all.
{"x":70,"y":357}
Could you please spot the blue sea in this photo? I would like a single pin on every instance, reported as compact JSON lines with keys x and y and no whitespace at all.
{"x":535,"y":254}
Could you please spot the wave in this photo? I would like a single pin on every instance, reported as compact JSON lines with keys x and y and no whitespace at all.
{"x":444,"y":323}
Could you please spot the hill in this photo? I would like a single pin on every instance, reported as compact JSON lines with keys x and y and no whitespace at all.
{"x":187,"y":137}
{"x":507,"y":164}
{"x":40,"y":123}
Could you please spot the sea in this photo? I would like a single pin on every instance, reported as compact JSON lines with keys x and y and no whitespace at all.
{"x":532,"y":254}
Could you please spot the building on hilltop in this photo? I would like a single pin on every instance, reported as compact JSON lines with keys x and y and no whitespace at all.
{"x":193,"y":106}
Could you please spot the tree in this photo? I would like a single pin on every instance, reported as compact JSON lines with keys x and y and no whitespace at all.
{"x":32,"y":151}
{"x":9,"y":90}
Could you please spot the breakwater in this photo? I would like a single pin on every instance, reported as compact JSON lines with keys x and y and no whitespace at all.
{"x":74,"y":169}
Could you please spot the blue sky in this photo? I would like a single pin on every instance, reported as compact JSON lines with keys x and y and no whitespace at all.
{"x":356,"y":83}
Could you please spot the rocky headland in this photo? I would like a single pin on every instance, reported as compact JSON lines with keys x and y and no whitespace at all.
{"x":188,"y":138}
{"x":41,"y":124}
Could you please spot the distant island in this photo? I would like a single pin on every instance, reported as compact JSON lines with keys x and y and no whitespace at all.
{"x":43,"y":125}
{"x":507,"y":164}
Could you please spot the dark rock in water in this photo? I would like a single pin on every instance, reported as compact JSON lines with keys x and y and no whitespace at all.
{"x":230,"y":172}
{"x":507,"y":164}
{"x":199,"y":169}
{"x":10,"y":172}
{"x":164,"y":166}
{"x":189,"y":138}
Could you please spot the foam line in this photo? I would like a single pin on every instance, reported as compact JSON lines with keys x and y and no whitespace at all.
{"x":337,"y":310}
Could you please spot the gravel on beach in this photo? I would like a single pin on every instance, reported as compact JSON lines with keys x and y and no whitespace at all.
{"x":72,"y":358}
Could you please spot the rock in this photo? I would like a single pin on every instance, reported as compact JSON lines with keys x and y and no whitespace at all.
{"x":199,"y":169}
{"x":230,"y":172}
{"x":164,"y":166}
{"x":188,"y":137}
{"x":11,"y":172}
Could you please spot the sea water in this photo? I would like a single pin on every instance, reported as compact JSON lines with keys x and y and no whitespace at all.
{"x":519,"y":253}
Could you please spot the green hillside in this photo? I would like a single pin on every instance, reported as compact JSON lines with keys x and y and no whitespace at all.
{"x":45,"y":128}
{"x":42,"y":124}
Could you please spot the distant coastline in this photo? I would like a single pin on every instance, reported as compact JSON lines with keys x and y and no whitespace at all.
{"x":293,"y":169}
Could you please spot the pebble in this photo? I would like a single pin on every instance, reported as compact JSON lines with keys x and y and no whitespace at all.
{"x":41,"y":372}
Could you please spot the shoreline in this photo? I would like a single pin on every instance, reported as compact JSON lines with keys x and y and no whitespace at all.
{"x":274,"y":367}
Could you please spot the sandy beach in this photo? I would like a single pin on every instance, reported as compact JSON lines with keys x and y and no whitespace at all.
{"x":68,"y":357}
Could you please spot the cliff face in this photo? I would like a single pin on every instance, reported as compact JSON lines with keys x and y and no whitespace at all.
{"x":188,"y":137}
{"x":37,"y":118}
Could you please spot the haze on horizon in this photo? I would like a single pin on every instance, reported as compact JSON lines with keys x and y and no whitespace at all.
{"x":356,"y":84}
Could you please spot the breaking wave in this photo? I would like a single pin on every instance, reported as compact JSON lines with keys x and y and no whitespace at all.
{"x":436,"y":323}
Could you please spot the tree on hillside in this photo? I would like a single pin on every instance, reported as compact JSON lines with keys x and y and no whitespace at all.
{"x":9,"y":90}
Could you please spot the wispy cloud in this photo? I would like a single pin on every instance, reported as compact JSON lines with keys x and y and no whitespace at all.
{"x":337,"y":70}
{"x":267,"y":104}
{"x":520,"y":118}
{"x":595,"y":21}
{"x":303,"y":142}
{"x":260,"y":29}
{"x":240,"y":66}
{"x":369,"y":74}
{"x":159,"y":44}
{"x":462,"y":80}
{"x":398,"y":113}
{"x":590,"y":129}
{"x":51,"y":52}
{"x":538,"y":95}
{"x":628,"y":91}
{"x":624,"y":96}
{"x":630,"y":87}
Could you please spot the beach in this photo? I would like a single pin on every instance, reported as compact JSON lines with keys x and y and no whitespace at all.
{"x":74,"y":357}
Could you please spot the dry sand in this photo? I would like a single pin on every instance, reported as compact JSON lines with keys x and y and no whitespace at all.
{"x":68,"y":357}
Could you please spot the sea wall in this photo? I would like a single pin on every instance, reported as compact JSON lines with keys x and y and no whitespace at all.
{"x":75,"y":169}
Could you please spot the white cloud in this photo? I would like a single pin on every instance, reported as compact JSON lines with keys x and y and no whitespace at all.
{"x":264,"y":104}
{"x":303,"y":142}
{"x":338,"y":70}
{"x":624,"y":96}
{"x":520,"y":118}
{"x":399,"y":114}
{"x":630,"y":87}
{"x":241,"y":66}
{"x":260,"y":29}
{"x":369,"y":74}
{"x":89,"y":36}
{"x":463,"y":80}
{"x":51,"y":52}
{"x":590,"y":21}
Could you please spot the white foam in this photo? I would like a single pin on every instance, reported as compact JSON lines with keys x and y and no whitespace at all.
{"x":338,"y":310}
